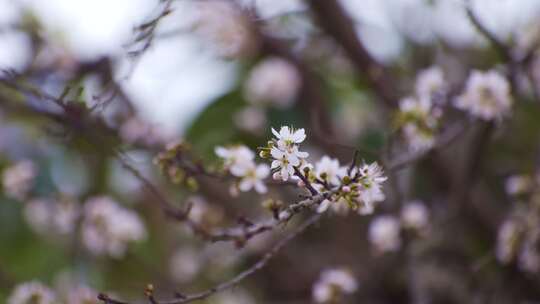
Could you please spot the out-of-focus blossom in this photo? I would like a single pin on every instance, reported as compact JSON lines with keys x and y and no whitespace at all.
{"x":18,"y":179}
{"x":329,"y":170}
{"x":518,"y":184}
{"x":508,"y":240}
{"x":529,"y":256}
{"x":48,"y":216}
{"x":418,"y":122}
{"x":487,"y":95}
{"x":333,"y":284}
{"x":235,"y":296}
{"x":430,"y":84}
{"x":384,"y":233}
{"x":204,"y":213}
{"x":185,"y":264}
{"x":274,"y":81}
{"x":235,"y":158}
{"x":82,"y":295}
{"x":415,"y":215}
{"x":251,"y":119}
{"x":32,"y":293}
{"x":108,"y":228}
{"x":239,"y":161}
{"x":225,"y":27}
{"x":136,"y":130}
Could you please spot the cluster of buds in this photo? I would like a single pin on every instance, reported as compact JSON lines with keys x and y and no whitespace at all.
{"x":171,"y":163}
{"x":518,"y":238}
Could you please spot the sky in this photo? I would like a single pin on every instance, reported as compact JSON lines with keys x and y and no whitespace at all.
{"x":177,"y":78}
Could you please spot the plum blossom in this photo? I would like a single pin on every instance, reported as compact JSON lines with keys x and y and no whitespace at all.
{"x":274,"y":81}
{"x":329,"y":170}
{"x":239,"y":161}
{"x":384,"y":233}
{"x":46,"y":216}
{"x":108,"y":228}
{"x":332,"y":284}
{"x":284,"y":150}
{"x":17,"y":180}
{"x":487,"y":95}
{"x":430,"y":83}
{"x":415,"y":215}
{"x":82,"y":295}
{"x":370,"y":182}
{"x":254,"y":177}
{"x":287,"y":137}
{"x":518,"y":184}
{"x":185,"y":264}
{"x":32,"y":292}
{"x":225,"y":28}
{"x":419,"y":121}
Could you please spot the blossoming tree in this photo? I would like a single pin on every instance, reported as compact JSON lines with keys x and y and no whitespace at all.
{"x":323,"y":175}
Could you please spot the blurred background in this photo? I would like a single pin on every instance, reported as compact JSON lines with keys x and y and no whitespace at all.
{"x":198,"y":71}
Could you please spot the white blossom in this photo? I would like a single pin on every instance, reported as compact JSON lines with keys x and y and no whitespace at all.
{"x":251,"y":119}
{"x":47,"y":216}
{"x":274,"y":81}
{"x":384,"y":233}
{"x":82,"y":295}
{"x":419,"y":122}
{"x":108,"y":228}
{"x":223,"y":25}
{"x":371,"y":179}
{"x":285,"y":152}
{"x":430,"y":83}
{"x":32,"y":293}
{"x":285,"y":161}
{"x":236,"y":158}
{"x":518,"y":184}
{"x":287,"y":138}
{"x":487,"y":95}
{"x":333,"y":283}
{"x":415,"y":215}
{"x":185,"y":264}
{"x":332,"y":170}
{"x":508,"y":240}
{"x":18,"y":179}
{"x":254,"y":178}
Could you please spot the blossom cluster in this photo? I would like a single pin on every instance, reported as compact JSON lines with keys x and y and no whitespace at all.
{"x":333,"y":284}
{"x":107,"y":228}
{"x":486,"y":96}
{"x":34,"y":292}
{"x":52,"y":216}
{"x":348,"y":188}
{"x":518,"y":237}
{"x":239,"y":161}
{"x":17,"y":180}
{"x":385,"y":230}
{"x":419,"y":115}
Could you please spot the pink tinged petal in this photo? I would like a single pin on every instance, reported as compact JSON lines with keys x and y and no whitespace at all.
{"x":293,"y":160}
{"x":285,"y":132}
{"x":302,"y":154}
{"x":277,"y":153}
{"x":284,"y":174}
{"x":299,"y":136}
{"x":246,"y":185}
{"x":262,"y":171}
{"x":276,"y":176}
{"x":260,"y":187}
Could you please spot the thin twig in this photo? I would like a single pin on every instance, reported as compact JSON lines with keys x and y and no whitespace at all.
{"x":239,"y":277}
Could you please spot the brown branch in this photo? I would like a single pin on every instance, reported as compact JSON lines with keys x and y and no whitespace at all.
{"x":335,"y":21}
{"x":239,"y":277}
